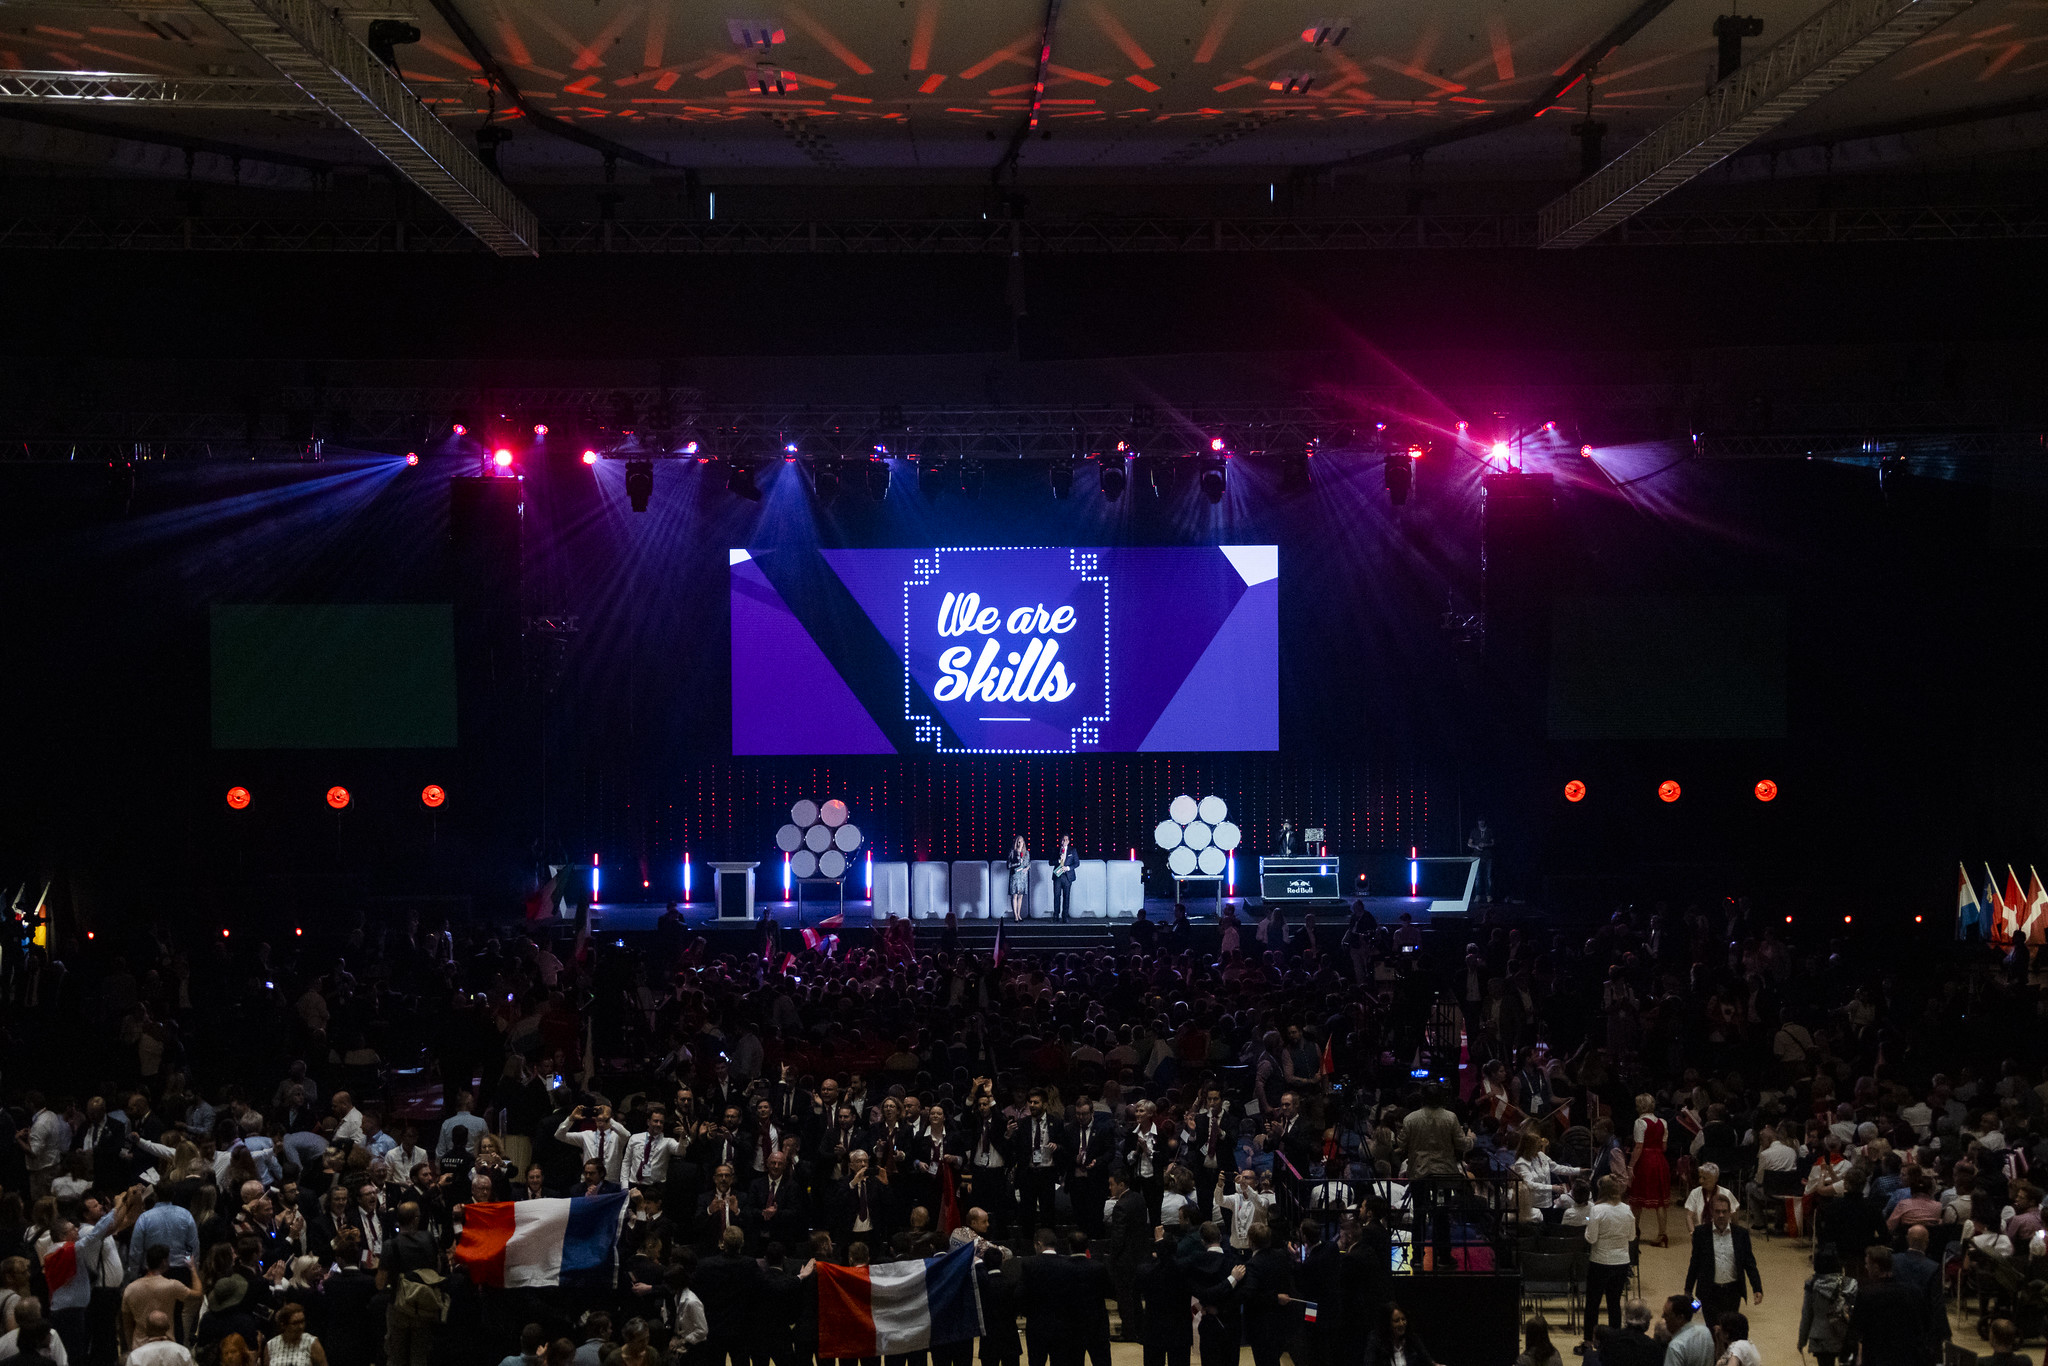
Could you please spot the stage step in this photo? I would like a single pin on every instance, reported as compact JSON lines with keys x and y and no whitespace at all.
{"x":1025,"y":937}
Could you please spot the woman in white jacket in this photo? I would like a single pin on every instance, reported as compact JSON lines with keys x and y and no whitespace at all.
{"x":1542,"y":1180}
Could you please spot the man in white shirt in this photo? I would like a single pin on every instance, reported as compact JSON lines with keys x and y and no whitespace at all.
{"x":349,"y":1119}
{"x":603,"y":1142}
{"x":408,"y":1153}
{"x":155,"y":1346}
{"x":49,"y":1138}
{"x":646,"y":1156}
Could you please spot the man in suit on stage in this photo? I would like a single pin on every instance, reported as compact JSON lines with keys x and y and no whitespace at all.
{"x":1722,"y":1261}
{"x":1065,"y":863}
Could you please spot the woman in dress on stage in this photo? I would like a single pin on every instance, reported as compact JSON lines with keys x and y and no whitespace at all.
{"x":1651,"y":1185}
{"x":1020,"y":877}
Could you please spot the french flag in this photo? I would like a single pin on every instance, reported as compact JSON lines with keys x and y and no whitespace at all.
{"x":868,"y":1311}
{"x":542,"y":1242}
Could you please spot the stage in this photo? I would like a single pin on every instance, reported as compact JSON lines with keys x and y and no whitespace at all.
{"x":640,"y":917}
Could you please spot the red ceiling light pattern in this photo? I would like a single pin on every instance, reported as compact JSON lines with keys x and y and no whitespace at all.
{"x":1575,"y":791}
{"x":337,"y":797}
{"x":238,"y":798}
{"x":1766,"y":790}
{"x":433,"y":794}
{"x":1667,"y":791}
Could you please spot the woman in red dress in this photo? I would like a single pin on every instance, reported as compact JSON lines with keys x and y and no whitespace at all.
{"x":1651,"y":1187}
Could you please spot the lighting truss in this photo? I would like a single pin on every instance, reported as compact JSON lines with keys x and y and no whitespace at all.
{"x":1845,"y":39}
{"x":65,"y":89}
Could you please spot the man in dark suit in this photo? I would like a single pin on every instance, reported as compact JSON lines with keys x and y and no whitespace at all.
{"x":1210,"y":1281}
{"x":1128,"y":1242}
{"x":719,"y":1210}
{"x":1890,"y":1318}
{"x":1317,"y":1274}
{"x":1212,"y":1143}
{"x":1065,"y":863}
{"x":776,"y":1203}
{"x":1722,"y":1263}
{"x":1046,"y":1289}
{"x":1365,"y":1279}
{"x":1163,"y":1288}
{"x":780,"y":1306}
{"x":105,"y":1136}
{"x":1630,"y":1344}
{"x":1919,"y":1272}
{"x":1089,"y":1302}
{"x":1091,"y":1152}
{"x":732,"y":1287}
{"x":1266,"y":1284}
{"x":1035,"y":1144}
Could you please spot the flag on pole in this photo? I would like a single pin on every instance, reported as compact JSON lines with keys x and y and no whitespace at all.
{"x":999,"y":944}
{"x":1994,"y":906}
{"x":2036,"y":922}
{"x":542,"y":1242}
{"x":1328,"y":1066}
{"x":2015,"y":903}
{"x":949,"y":1201}
{"x":833,"y":922}
{"x":898,"y":1307}
{"x":1968,"y":911}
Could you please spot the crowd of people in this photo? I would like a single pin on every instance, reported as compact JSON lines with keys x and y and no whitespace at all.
{"x":232,"y":1148}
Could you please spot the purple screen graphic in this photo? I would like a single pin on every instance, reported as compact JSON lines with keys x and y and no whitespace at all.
{"x":1006,"y":650}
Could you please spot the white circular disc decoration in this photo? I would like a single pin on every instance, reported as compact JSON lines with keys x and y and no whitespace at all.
{"x":788,"y":838}
{"x":1166,"y":834}
{"x":833,"y":813}
{"x":803,"y":863}
{"x":831,"y":863}
{"x":1183,"y":808}
{"x":817,"y":839}
{"x":1227,"y":835}
{"x":1196,"y":836}
{"x":1213,"y":810}
{"x":846,"y":838}
{"x":1212,"y":861}
{"x":1182,"y":861}
{"x":804,"y":812}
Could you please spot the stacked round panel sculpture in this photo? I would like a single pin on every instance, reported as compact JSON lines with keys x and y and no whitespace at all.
{"x":1198,"y":836}
{"x":819,"y":840}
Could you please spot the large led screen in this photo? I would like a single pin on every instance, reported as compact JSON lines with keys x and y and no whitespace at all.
{"x":1005,"y":650}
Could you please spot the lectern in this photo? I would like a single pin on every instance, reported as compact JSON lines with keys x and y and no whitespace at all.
{"x":735,"y":889}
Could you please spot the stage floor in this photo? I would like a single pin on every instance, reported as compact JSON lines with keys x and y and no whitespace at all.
{"x":633,"y":917}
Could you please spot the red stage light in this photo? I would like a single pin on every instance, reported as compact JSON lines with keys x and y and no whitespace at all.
{"x":1766,"y":791}
{"x":238,"y":797}
{"x":503,"y":458}
{"x":337,"y":797}
{"x":540,"y":429}
{"x":1667,"y":791}
{"x":461,"y":430}
{"x":1917,"y":919}
{"x":1575,"y":791}
{"x":1788,"y":920}
{"x":1215,"y":443}
{"x":299,"y":930}
{"x":433,"y":794}
{"x":1586,"y":450}
{"x":1847,"y":918}
{"x":590,"y":457}
{"x":412,"y":457}
{"x":223,"y":933}
{"x":1462,"y":426}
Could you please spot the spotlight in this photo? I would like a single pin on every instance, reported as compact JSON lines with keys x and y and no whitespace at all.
{"x":877,"y":476}
{"x":502,"y":458}
{"x":1499,"y":450}
{"x":1215,"y":443}
{"x":337,"y":797}
{"x":540,"y":429}
{"x":1212,"y":479}
{"x":1061,"y":473}
{"x":590,"y":457}
{"x":433,"y":794}
{"x":412,"y":457}
{"x":825,"y":479}
{"x":1113,"y":478}
{"x":739,"y":479}
{"x":1667,"y":791}
{"x":1766,"y":790}
{"x":689,"y":448}
{"x":1463,"y":427}
{"x":971,"y":477}
{"x":1400,"y":472}
{"x":1575,"y":791}
{"x":1586,"y":451}
{"x":460,"y":429}
{"x":238,"y":798}
{"x":639,"y":483}
{"x":931,"y":477}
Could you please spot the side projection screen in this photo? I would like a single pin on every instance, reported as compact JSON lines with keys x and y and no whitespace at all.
{"x":1020,"y":650}
{"x":340,"y":676}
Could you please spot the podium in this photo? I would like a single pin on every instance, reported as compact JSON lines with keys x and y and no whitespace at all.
{"x":735,"y":885}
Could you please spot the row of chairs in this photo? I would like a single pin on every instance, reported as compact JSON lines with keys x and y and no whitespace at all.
{"x":1553,"y":1266}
